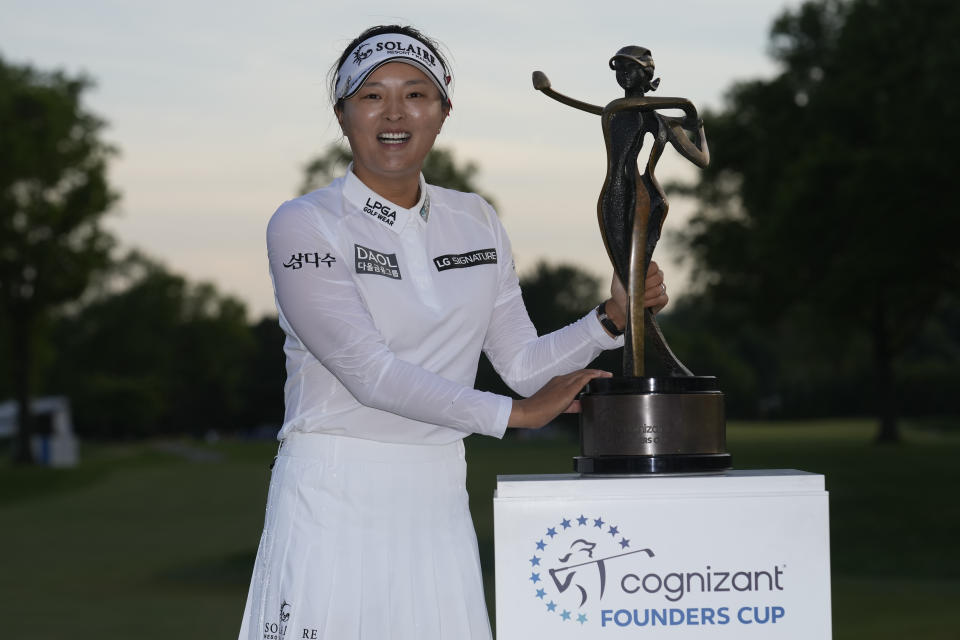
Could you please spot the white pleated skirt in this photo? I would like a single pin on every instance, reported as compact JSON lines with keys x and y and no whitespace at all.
{"x":366,"y":540}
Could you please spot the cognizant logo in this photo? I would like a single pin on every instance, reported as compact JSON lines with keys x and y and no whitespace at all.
{"x":585,"y":571}
{"x":674,"y":586}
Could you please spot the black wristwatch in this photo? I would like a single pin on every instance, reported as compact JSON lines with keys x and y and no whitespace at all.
{"x":606,"y":321}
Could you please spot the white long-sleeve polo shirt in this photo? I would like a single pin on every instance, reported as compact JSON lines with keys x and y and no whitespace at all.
{"x":386,"y":313}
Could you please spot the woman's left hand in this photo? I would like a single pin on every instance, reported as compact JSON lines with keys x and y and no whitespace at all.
{"x":654,"y":296}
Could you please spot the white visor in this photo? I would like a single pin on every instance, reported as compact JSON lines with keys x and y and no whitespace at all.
{"x":374,"y":52}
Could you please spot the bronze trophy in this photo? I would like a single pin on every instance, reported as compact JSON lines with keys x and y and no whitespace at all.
{"x":635,"y":424}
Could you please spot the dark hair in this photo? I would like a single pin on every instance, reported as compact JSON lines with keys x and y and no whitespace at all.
{"x":406,"y":30}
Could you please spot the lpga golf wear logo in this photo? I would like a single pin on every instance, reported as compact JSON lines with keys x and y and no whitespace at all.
{"x":587,"y":572}
{"x":382,"y":212}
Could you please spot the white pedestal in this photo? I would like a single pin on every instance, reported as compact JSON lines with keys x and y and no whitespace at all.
{"x":744,"y":554}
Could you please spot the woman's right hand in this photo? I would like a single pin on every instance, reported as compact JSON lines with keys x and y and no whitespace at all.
{"x":556,"y":397}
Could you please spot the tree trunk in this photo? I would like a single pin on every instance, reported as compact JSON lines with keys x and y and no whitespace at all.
{"x":22,"y":353}
{"x":889,"y":432}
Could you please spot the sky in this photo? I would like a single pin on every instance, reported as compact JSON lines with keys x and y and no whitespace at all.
{"x":216,"y":107}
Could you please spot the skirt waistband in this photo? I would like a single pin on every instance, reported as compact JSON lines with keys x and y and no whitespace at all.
{"x":322,"y":445}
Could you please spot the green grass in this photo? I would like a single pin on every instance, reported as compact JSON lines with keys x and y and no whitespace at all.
{"x":143,"y":542}
{"x":133,"y":544}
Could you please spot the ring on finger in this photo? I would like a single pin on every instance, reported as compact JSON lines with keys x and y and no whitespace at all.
{"x":663,"y":287}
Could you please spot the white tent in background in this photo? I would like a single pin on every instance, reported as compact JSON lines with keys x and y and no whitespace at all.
{"x":53,"y":442}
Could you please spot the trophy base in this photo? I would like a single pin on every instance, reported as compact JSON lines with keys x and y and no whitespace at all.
{"x":681,"y":464}
{"x":642,"y":426}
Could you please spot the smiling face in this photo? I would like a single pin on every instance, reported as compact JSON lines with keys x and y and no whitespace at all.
{"x":391,"y":124}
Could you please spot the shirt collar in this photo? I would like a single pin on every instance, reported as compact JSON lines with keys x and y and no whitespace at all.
{"x":379,"y":209}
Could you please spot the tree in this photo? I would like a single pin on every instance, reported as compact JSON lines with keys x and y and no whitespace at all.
{"x":557,"y":294}
{"x":147,"y":353}
{"x":265,"y":375}
{"x":53,"y":194}
{"x":829,"y":197}
{"x":440,"y":168}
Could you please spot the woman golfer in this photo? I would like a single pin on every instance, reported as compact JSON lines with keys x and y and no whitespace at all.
{"x":388,"y":289}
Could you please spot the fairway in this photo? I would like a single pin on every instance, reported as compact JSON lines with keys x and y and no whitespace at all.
{"x":156,"y":540}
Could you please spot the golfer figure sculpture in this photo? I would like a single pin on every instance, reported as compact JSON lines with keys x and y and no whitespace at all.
{"x":637,"y":424}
